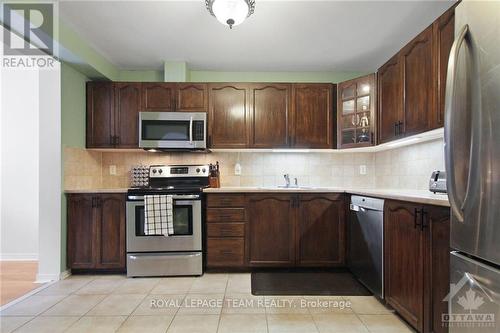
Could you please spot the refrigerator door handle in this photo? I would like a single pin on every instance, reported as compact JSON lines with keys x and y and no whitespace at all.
{"x":455,"y":203}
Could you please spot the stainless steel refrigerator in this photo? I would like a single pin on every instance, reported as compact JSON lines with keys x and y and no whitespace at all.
{"x":472,"y":158}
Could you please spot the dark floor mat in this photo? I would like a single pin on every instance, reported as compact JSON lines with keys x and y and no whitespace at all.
{"x":314,"y":283}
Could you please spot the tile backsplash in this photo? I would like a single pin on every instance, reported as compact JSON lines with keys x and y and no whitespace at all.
{"x":86,"y":169}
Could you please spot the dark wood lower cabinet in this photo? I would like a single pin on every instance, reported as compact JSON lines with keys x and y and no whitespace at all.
{"x":417,"y":263}
{"x":320,"y":230}
{"x":96,"y":232}
{"x":271,"y":227}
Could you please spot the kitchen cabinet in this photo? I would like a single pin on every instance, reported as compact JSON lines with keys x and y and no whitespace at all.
{"x":225,"y":230}
{"x":296,"y":229}
{"x":312,"y":115}
{"x":96,"y":232}
{"x":390,"y":100}
{"x":191,"y":97}
{"x":412,"y":84}
{"x":443,"y":31}
{"x":229,"y":123}
{"x":417,"y":262}
{"x":113,"y":114}
{"x":127,"y":105}
{"x":320,"y":230}
{"x":100,"y":115}
{"x":158,"y":97}
{"x":271,"y":237}
{"x":419,"y":85}
{"x":356,"y":112}
{"x":270,"y":113}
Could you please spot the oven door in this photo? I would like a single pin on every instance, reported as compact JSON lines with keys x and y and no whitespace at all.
{"x":172,"y":130}
{"x":187,"y":226}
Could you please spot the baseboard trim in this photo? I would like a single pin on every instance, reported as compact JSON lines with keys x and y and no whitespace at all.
{"x":19,"y":256}
{"x":64,"y":274}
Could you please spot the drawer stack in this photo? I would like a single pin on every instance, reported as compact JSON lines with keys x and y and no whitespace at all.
{"x":226,"y":222}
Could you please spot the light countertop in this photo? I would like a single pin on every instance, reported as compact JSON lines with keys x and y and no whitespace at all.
{"x":97,"y":190}
{"x":417,"y":196}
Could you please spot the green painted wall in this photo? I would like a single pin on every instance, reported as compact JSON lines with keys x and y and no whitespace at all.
{"x":140,"y":76}
{"x":212,"y":76}
{"x":73,"y":129}
{"x":175,"y":71}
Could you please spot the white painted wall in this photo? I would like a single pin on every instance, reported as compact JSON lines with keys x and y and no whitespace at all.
{"x":19,"y":164}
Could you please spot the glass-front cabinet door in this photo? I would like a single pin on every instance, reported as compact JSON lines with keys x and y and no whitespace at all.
{"x":356,"y":112}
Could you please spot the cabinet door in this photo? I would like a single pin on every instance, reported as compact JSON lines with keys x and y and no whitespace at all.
{"x":390,"y":99}
{"x":320,"y":230}
{"x":191,"y":97}
{"x":127,"y":106}
{"x":100,"y":122}
{"x":228,"y":116}
{"x":110,"y":221}
{"x":312,"y":118}
{"x":158,"y":97}
{"x":270,"y":112}
{"x":271,"y":225}
{"x":438,"y":222}
{"x":443,"y":37}
{"x":419,"y":84}
{"x":405,"y":257}
{"x":81,"y":247}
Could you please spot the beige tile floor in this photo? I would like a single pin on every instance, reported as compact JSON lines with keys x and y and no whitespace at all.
{"x":211,"y":303}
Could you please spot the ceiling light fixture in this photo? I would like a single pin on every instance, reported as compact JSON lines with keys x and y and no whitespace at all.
{"x":230,"y":12}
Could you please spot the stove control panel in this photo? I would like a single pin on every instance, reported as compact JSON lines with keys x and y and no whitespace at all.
{"x":169,"y":171}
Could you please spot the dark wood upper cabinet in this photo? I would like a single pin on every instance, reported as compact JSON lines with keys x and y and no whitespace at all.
{"x":158,"y":97}
{"x":270,"y":113}
{"x":390,"y":100}
{"x":111,"y":231}
{"x":191,"y":97}
{"x":356,"y":109}
{"x":81,"y":231}
{"x":312,"y":115}
{"x":100,"y":115}
{"x":127,"y":106}
{"x":96,"y":231}
{"x":229,"y":123}
{"x":419,"y":84}
{"x":271,"y":230}
{"x":443,"y":37}
{"x":405,"y":259}
{"x":320,"y":230}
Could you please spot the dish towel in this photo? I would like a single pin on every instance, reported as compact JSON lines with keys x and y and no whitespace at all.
{"x":158,"y":215}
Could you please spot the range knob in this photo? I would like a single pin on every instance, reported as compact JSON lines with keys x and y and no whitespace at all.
{"x":198,"y":170}
{"x":160,"y":171}
{"x":203,"y":170}
{"x":154,"y":170}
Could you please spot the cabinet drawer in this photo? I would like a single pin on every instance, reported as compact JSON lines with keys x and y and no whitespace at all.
{"x":226,"y":230}
{"x":225,"y":252}
{"x":225,"y":214}
{"x":225,"y":200}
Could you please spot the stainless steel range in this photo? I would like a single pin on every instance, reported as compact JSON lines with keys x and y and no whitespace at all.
{"x":179,"y":253}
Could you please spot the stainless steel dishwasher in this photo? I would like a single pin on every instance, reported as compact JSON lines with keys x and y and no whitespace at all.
{"x":366,"y":242}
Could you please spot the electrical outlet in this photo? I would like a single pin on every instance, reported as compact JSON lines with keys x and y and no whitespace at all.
{"x":237,"y":169}
{"x":362,"y":169}
{"x":112,"y":170}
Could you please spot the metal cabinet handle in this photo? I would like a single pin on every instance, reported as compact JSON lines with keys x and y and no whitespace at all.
{"x":423,"y":218}
{"x":400,"y":128}
{"x":456,"y":205}
{"x":396,"y":129}
{"x":415,"y":218}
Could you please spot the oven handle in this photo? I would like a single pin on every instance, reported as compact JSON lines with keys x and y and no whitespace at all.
{"x":175,"y":197}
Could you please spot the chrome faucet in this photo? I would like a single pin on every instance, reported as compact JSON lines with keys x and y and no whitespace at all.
{"x":287,"y":180}
{"x":296,"y":182}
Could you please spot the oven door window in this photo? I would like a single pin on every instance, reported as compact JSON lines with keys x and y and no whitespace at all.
{"x":183,"y":221}
{"x":168,"y":130}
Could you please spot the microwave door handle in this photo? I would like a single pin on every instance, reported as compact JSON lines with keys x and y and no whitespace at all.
{"x":449,"y":128}
{"x":191,"y":129}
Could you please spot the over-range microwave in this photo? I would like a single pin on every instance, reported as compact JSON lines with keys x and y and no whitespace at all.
{"x":173,"y":130}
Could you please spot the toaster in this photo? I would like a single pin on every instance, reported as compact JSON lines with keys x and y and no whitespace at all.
{"x":437,"y":183}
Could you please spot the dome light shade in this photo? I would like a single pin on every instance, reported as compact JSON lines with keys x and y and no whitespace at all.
{"x":230,"y":12}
